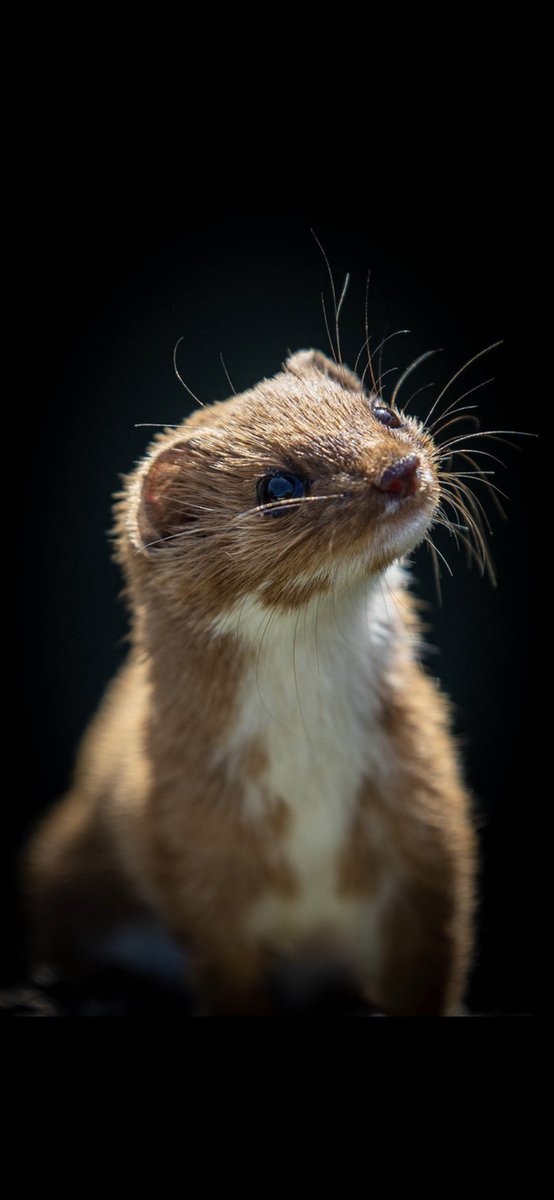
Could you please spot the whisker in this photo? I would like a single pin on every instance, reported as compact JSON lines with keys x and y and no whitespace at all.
{"x":293,"y":502}
{"x":440,"y":554}
{"x":461,"y":533}
{"x":465,"y":474}
{"x":492,"y":433}
{"x":473,"y":500}
{"x":474,"y":521}
{"x":266,"y":625}
{"x":412,"y":367}
{"x":327,"y":328}
{"x":477,"y":512}
{"x":467,"y":364}
{"x":367,"y":341}
{"x":179,"y":377}
{"x":477,"y":476}
{"x":464,"y":454}
{"x":190,"y":504}
{"x":459,"y":417}
{"x":294,"y":671}
{"x":457,"y":502}
{"x":455,"y":529}
{"x":382,"y":343}
{"x":469,"y":458}
{"x":416,"y":393}
{"x":436,"y":568}
{"x":389,"y":371}
{"x":256,"y":509}
{"x":337,"y":313}
{"x":170,"y":537}
{"x":380,"y":366}
{"x":336,"y":356}
{"x":469,"y":392}
{"x":227,"y":374}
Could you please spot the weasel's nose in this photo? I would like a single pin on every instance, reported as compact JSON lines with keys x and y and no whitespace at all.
{"x":401,"y":478}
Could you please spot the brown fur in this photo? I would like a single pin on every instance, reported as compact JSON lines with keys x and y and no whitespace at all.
{"x":156,"y":819}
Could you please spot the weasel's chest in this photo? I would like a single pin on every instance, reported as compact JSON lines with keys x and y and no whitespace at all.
{"x":313,"y":718}
{"x":332,"y":906}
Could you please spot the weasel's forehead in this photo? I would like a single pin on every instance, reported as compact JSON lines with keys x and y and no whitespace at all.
{"x":282,"y":407}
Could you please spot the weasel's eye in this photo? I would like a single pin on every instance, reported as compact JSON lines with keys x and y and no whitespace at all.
{"x":280,"y":486}
{"x":386,"y":416}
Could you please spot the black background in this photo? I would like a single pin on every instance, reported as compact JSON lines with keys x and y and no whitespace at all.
{"x":101,"y":281}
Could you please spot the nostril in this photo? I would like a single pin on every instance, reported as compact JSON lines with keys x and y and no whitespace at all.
{"x":401,"y":478}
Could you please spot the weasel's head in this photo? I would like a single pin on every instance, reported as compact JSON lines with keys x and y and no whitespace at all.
{"x":289,"y":490}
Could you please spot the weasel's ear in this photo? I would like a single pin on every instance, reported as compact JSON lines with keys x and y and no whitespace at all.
{"x":162,"y":511}
{"x":307,"y":361}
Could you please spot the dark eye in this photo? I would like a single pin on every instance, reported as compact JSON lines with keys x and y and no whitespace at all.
{"x":280,"y":486}
{"x":386,"y":416}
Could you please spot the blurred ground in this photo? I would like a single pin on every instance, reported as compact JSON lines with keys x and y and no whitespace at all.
{"x":121,"y":993}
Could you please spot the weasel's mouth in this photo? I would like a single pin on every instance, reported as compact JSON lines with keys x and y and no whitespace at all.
{"x":417,"y":505}
{"x":401,"y":519}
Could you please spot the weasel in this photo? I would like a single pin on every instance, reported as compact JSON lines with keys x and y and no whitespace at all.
{"x":272,"y":774}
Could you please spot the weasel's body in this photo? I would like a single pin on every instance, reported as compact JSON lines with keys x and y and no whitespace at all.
{"x":272,"y":772}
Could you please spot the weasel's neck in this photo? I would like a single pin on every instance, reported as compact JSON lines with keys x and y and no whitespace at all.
{"x":313,"y":669}
{"x":339,"y":642}
{"x":308,"y":703}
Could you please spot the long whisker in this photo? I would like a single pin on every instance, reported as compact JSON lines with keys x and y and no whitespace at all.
{"x":494,"y":491}
{"x":336,"y":355}
{"x":337,"y":313}
{"x":227,"y":374}
{"x":477,"y":513}
{"x":460,"y":508}
{"x":477,"y":476}
{"x":467,"y":364}
{"x":411,"y":368}
{"x":470,"y":459}
{"x":450,"y":407}
{"x":416,"y":393}
{"x":327,"y":328}
{"x":461,"y":533}
{"x":474,"y":522}
{"x":190,"y":504}
{"x":437,"y":551}
{"x":386,"y":339}
{"x":492,"y":433}
{"x":464,"y":454}
{"x":293,"y":502}
{"x":436,"y":568}
{"x":180,"y":377}
{"x":367,"y":342}
{"x":456,"y":530}
{"x":477,"y":550}
{"x":453,"y":420}
{"x":477,"y":508}
{"x":389,"y":371}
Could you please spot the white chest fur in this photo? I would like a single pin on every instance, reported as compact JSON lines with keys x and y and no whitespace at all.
{"x":311,"y":700}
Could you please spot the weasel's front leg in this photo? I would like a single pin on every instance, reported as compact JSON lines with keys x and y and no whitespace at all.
{"x":429,"y":846}
{"x":426,"y":939}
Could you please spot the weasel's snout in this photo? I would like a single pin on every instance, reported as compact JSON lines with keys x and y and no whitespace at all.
{"x":401,"y":478}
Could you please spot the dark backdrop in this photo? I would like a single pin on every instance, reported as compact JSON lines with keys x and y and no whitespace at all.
{"x":100,"y":282}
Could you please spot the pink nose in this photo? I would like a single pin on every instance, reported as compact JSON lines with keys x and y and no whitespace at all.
{"x":401,"y":478}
